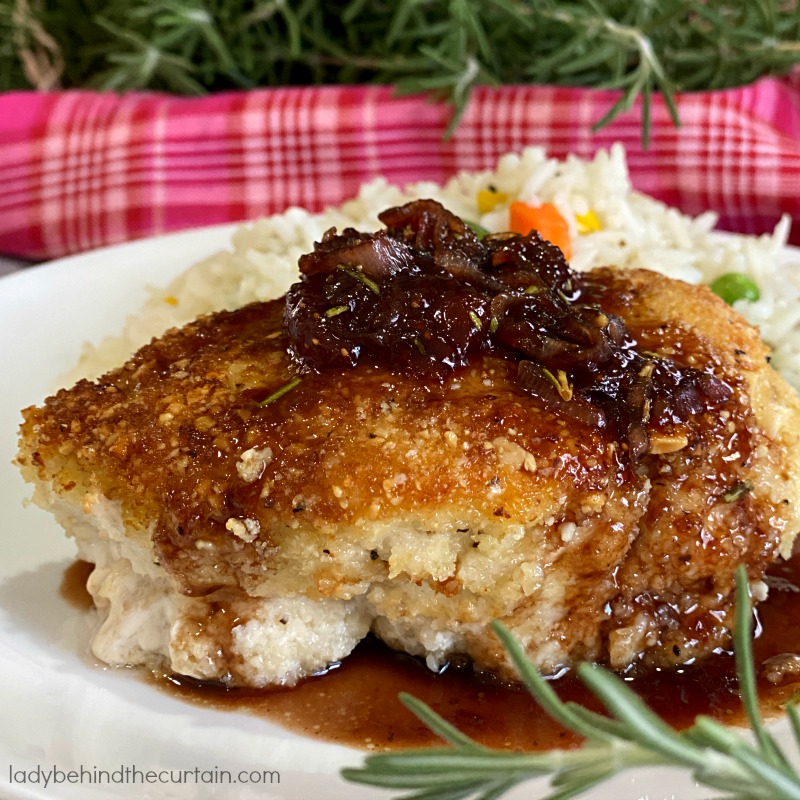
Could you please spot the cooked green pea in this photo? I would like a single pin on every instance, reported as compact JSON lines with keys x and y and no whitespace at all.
{"x":478,"y":230}
{"x":733,"y":286}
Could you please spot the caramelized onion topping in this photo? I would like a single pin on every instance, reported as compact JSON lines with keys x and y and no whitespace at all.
{"x":426,"y":295}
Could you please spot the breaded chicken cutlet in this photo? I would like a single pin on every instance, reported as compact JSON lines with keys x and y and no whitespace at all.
{"x":428,"y":433}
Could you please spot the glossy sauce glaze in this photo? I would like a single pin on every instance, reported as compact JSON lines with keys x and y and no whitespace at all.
{"x":356,"y":703}
{"x":426,"y":295}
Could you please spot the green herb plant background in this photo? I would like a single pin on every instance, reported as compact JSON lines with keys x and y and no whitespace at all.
{"x":446,"y":47}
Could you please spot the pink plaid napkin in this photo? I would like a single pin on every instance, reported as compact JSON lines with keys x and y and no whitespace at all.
{"x":79,"y":170}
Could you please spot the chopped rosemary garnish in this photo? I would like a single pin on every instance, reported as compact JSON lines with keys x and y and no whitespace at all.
{"x":476,"y":320}
{"x":360,"y":276}
{"x":563,"y":296}
{"x":278,"y":393}
{"x":647,"y":370}
{"x":336,"y":310}
{"x":632,"y":736}
{"x":420,"y":346}
{"x":560,"y":381}
{"x":494,"y":324}
{"x":535,"y":290}
{"x":739,"y":489}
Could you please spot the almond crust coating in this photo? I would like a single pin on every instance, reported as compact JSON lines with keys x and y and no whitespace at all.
{"x":444,"y":505}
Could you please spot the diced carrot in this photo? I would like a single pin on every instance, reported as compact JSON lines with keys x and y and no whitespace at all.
{"x":546,"y":219}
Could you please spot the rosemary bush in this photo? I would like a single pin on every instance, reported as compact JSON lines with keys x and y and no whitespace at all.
{"x":442,"y":46}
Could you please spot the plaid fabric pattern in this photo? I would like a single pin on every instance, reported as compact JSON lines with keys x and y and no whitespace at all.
{"x":79,"y":170}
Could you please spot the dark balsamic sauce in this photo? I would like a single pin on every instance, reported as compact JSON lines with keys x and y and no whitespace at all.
{"x":356,"y":703}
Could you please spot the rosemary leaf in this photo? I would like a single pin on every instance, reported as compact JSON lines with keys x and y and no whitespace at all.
{"x":336,"y":310}
{"x":280,"y":392}
{"x":745,"y":669}
{"x":458,"y":792}
{"x":499,"y":789}
{"x":794,"y":719}
{"x":438,"y":725}
{"x":544,"y":693}
{"x":644,"y":726}
{"x":358,"y":275}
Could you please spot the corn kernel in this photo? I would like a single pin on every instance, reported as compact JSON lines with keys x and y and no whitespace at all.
{"x":588,"y":222}
{"x":488,"y":200}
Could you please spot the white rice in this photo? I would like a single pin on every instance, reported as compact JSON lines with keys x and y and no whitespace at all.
{"x":636,"y":231}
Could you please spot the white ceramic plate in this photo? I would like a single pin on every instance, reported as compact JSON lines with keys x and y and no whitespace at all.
{"x":59,"y":710}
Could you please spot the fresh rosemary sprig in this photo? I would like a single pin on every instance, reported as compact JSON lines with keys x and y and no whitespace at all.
{"x":632,"y":736}
{"x":447,"y":47}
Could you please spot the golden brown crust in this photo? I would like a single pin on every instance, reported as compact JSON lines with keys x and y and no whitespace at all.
{"x":268,"y":498}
